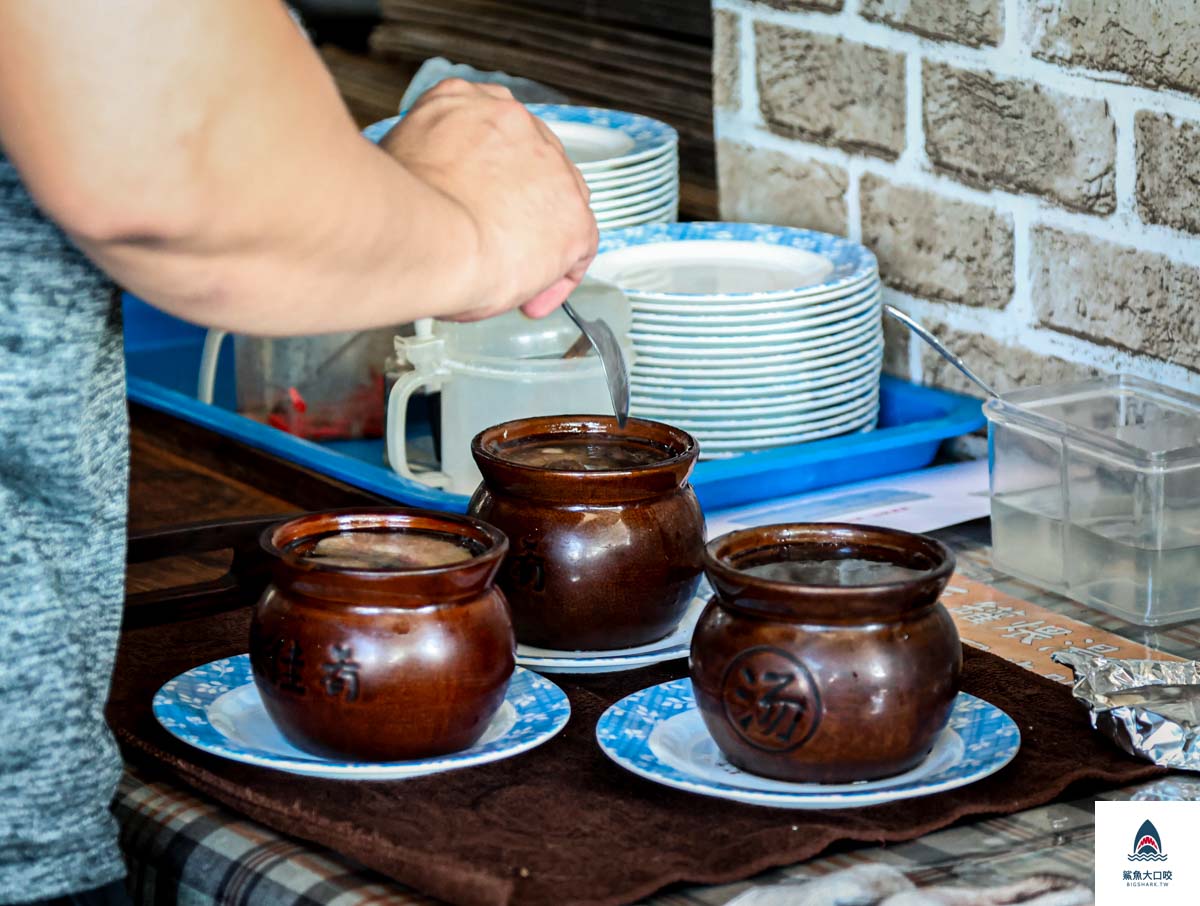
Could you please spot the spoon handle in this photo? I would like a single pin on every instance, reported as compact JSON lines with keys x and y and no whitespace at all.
{"x":616,"y":369}
{"x":941,"y":350}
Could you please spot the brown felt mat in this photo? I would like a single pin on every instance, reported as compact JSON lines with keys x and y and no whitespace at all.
{"x":562,"y":824}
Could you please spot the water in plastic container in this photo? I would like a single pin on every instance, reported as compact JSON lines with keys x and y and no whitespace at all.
{"x":1096,"y":494}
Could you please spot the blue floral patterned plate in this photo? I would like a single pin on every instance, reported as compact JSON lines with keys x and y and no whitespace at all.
{"x":665,"y":266}
{"x":658,"y":734}
{"x":216,"y":707}
{"x":600,"y":140}
{"x":597,"y":140}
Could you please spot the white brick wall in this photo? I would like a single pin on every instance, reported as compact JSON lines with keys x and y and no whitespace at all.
{"x":1014,"y":326}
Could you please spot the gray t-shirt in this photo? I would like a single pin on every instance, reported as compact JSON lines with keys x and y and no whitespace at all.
{"x":63,"y":479}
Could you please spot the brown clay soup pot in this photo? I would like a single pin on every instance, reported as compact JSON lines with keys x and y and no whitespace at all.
{"x":814,"y":671}
{"x":382,"y":636}
{"x":606,"y":534}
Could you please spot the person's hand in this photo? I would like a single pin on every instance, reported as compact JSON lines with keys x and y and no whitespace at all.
{"x":481,"y":148}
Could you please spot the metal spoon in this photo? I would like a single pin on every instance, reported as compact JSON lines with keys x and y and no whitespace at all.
{"x":616,"y":370}
{"x":939,"y":348}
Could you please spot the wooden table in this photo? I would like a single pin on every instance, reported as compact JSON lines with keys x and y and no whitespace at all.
{"x":183,"y":848}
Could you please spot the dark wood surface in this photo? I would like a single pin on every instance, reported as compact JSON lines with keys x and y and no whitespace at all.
{"x":183,"y":474}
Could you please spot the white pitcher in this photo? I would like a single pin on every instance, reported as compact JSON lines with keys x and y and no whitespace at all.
{"x":494,"y":371}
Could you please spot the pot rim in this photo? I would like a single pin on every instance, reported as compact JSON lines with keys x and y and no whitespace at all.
{"x":274,"y":542}
{"x":839,"y":603}
{"x":685,"y":446}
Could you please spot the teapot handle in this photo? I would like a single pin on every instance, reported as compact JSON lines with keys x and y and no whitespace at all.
{"x":396,"y":432}
{"x":207,"y":377}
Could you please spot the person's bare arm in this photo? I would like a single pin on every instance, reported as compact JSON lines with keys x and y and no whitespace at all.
{"x":200,"y":154}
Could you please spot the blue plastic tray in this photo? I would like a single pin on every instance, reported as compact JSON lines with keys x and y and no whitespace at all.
{"x":163,"y":356}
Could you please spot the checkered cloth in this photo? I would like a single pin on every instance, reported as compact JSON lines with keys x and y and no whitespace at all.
{"x":181,"y":849}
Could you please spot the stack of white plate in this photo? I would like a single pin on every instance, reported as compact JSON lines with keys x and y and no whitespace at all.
{"x":630,"y":162}
{"x":749,"y":336}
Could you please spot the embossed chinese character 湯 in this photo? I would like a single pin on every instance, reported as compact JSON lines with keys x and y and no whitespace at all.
{"x":770,"y":699}
{"x":772,"y":711}
{"x":341,"y":673}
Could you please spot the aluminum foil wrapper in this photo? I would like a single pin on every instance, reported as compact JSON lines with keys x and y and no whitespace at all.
{"x":1151,"y":709}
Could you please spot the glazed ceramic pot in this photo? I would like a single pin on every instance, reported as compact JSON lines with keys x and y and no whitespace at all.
{"x":598,"y":559}
{"x":825,"y":683}
{"x":382,"y":664}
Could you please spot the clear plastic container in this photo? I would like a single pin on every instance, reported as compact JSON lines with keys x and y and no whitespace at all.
{"x":320,"y":388}
{"x":1095,"y":492}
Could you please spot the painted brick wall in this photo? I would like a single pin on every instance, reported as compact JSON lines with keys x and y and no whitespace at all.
{"x":1027,"y":171}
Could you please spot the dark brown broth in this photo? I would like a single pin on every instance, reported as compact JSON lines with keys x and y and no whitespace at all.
{"x":386,"y":549}
{"x":589,"y":453}
{"x":839,"y":571}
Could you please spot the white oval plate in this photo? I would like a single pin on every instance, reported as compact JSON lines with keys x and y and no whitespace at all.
{"x":850,"y":322}
{"x":861,"y":339}
{"x":707,"y":393}
{"x":597,"y":140}
{"x":711,"y":268}
{"x":600,"y":140}
{"x":659,"y":215}
{"x":216,"y":708}
{"x":675,"y":645}
{"x":755,"y":367}
{"x":599,"y":200}
{"x":754,"y":406}
{"x":627,"y":207}
{"x":721,"y":449}
{"x":729,"y":262}
{"x":735,"y":383}
{"x":658,"y":733}
{"x":726,"y":429}
{"x":800,"y":317}
{"x":648,"y":306}
{"x":663,"y":166}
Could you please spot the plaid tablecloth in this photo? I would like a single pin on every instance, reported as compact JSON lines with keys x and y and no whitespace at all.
{"x":182,"y":849}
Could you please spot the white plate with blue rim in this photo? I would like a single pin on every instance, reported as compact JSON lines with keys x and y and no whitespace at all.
{"x":665,"y":167}
{"x":652,"y":198}
{"x":658,"y":733}
{"x":729,"y":262}
{"x":597,"y":139}
{"x":216,"y":708}
{"x":675,"y":645}
{"x":600,"y":142}
{"x":720,"y":449}
{"x":863,"y":339}
{"x":740,"y":324}
{"x":856,"y":320}
{"x":646,"y":306}
{"x":667,"y":176}
{"x":735,"y":382}
{"x":847,"y":416}
{"x":753,"y":406}
{"x":682,"y":393}
{"x":663,"y":214}
{"x":754,"y":368}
